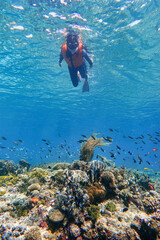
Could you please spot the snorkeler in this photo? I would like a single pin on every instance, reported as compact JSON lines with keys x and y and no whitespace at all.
{"x":75,"y":55}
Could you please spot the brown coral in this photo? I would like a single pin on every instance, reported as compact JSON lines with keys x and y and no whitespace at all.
{"x":96,"y":193}
{"x":87,"y":149}
{"x":108,"y":180}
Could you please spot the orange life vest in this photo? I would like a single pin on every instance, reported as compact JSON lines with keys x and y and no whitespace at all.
{"x":77,"y":58}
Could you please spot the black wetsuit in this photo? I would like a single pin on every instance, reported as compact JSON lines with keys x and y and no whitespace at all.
{"x":82,"y":69}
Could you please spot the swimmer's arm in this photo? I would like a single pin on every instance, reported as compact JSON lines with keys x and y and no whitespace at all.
{"x":60,"y":59}
{"x":85,"y":55}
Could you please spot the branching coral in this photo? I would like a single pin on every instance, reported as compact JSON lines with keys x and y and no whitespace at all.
{"x":87,"y":149}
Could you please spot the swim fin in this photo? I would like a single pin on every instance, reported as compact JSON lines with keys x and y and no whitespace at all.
{"x":85,"y":87}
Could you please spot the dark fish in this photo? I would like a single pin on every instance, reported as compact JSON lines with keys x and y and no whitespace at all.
{"x":130,"y":137}
{"x":151,"y":139}
{"x":47,"y":143}
{"x":83,"y":136}
{"x":110,"y":129}
{"x":125,"y":209}
{"x":140,"y":159}
{"x":118,"y":152}
{"x":49,"y":167}
{"x":44,"y":140}
{"x":93,"y":137}
{"x":148,"y":162}
{"x":4,"y":138}
{"x":81,"y":141}
{"x":102,"y":149}
{"x":2,"y":147}
{"x":149,"y":135}
{"x":143,"y":142}
{"x":118,"y":147}
{"x":20,"y":140}
{"x":138,"y":137}
{"x":108,"y":139}
{"x":112,"y":154}
{"x":134,"y":160}
{"x":130,"y":153}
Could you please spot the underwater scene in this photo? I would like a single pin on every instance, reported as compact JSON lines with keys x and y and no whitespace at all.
{"x":79,"y":119}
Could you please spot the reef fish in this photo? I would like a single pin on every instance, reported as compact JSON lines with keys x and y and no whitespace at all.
{"x":4,"y":138}
{"x":140,"y":159}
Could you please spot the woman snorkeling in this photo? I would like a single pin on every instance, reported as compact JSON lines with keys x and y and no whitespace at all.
{"x":75,"y":55}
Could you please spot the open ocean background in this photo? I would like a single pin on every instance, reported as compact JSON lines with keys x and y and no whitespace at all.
{"x":42,"y":116}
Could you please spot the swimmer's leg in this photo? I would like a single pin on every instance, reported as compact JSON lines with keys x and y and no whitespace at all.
{"x":83,"y":71}
{"x":74,"y":76}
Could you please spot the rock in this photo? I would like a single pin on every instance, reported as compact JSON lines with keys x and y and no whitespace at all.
{"x":55,"y":216}
{"x":77,"y":176}
{"x":150,"y":204}
{"x":33,"y":180}
{"x":7,"y":167}
{"x":79,"y":165}
{"x":19,"y":199}
{"x":34,"y":186}
{"x":148,"y":229}
{"x":24,"y":164}
{"x":74,"y":230}
{"x":86,"y":228}
{"x":108,"y":180}
{"x":35,"y":193}
{"x":2,"y":191}
{"x":33,"y":234}
{"x":62,"y":166}
{"x":101,"y":224}
{"x":132,"y":234}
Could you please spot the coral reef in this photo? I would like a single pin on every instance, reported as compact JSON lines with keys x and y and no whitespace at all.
{"x":87,"y":149}
{"x":82,"y":200}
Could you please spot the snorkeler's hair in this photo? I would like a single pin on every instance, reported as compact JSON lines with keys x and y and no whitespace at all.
{"x":71,"y":36}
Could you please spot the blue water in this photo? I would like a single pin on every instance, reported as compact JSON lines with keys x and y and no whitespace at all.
{"x":38,"y":101}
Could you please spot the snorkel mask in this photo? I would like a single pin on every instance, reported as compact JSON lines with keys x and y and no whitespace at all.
{"x":72,"y":43}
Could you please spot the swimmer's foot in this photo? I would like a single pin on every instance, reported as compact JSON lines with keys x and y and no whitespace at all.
{"x":85,"y":86}
{"x":79,"y":77}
